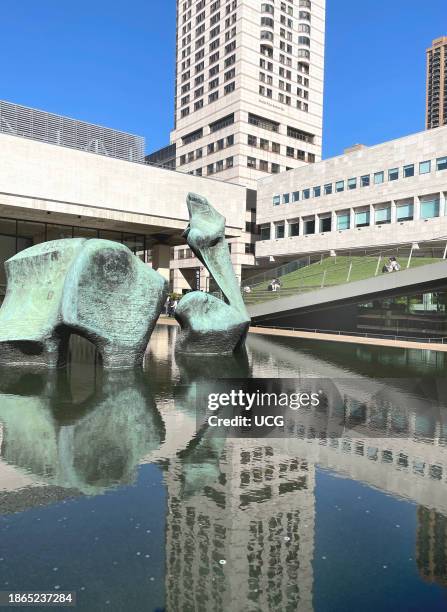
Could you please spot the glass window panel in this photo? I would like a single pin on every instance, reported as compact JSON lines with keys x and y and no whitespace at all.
{"x":339,"y":186}
{"x":110,"y":235}
{"x":265,"y":232}
{"x":276,"y":200}
{"x":326,"y":224}
{"x":343,"y":221}
{"x":429,"y":208}
{"x":393,"y":174}
{"x":309,"y":227}
{"x":362,"y":218}
{"x":352,"y":183}
{"x":383,"y":215}
{"x":317,"y":192}
{"x":295,"y":196}
{"x":441,"y":163}
{"x":279,"y":230}
{"x":306,"y":194}
{"x":294,"y":228}
{"x":84,"y":232}
{"x":365,"y":180}
{"x":379,"y":177}
{"x":425,"y":167}
{"x":328,"y":189}
{"x":409,"y":171}
{"x":58,"y":232}
{"x":404,"y":212}
{"x":286,"y":198}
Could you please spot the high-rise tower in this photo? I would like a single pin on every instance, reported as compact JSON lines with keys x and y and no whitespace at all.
{"x":249,"y":87}
{"x":436,"y":112}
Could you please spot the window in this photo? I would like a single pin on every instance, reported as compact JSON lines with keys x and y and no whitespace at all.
{"x":383,"y":215}
{"x":306,"y":194}
{"x":352,"y":183}
{"x":267,"y":21}
{"x":252,"y":141}
{"x":362,"y":218}
{"x":210,"y":148}
{"x":339,"y":186}
{"x":409,"y":171}
{"x":429,"y":207}
{"x":276,"y":147}
{"x":264,"y":144}
{"x":266,"y":35}
{"x":222,"y":123}
{"x":441,"y":163}
{"x":230,"y":140}
{"x":328,"y":189}
{"x":343,"y":221}
{"x":210,"y":169}
{"x":379,"y":177}
{"x":265,"y":232}
{"x":251,"y":163}
{"x":295,"y":196}
{"x":365,"y":180}
{"x":192,"y":136}
{"x":294,"y":228}
{"x":309,"y":226}
{"x":279,"y":230}
{"x":393,"y":174}
{"x":317,"y":192}
{"x":263,"y":165}
{"x":220,"y":144}
{"x":267,"y":8}
{"x":219,"y":165}
{"x":261,"y":122}
{"x":300,"y":134}
{"x":286,"y":198}
{"x":275,"y":168}
{"x":425,"y":167}
{"x":229,"y":162}
{"x":229,"y":88}
{"x":304,"y":40}
{"x":404,"y":211}
{"x":213,"y":96}
{"x":325,"y":224}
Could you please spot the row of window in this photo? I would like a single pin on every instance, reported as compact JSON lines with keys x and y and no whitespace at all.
{"x":212,"y":147}
{"x":378,"y":178}
{"x":361,"y":217}
{"x":286,"y":8}
{"x":284,"y":98}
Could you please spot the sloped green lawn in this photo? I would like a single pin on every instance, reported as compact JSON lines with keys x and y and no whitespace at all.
{"x":331,"y":271}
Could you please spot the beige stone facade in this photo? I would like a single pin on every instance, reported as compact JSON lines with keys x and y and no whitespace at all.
{"x":370,"y":197}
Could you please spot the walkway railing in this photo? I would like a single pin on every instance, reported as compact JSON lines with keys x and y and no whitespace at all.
{"x":423,"y":340}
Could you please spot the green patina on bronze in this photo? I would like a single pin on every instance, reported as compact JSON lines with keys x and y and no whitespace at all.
{"x":210,"y":325}
{"x":94,"y":288}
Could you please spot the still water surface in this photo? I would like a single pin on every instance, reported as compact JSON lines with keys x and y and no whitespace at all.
{"x":108,"y":487}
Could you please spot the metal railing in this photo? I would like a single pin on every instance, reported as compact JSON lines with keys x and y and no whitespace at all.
{"x":352,"y":269}
{"x":422,"y":340}
{"x":406,"y":250}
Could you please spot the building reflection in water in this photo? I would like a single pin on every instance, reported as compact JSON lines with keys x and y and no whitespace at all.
{"x":240,"y":522}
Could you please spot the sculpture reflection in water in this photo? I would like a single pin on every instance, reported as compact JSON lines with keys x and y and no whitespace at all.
{"x":66,"y":432}
{"x":208,"y":324}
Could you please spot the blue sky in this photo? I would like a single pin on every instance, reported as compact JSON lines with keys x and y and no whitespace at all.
{"x":112,"y":63}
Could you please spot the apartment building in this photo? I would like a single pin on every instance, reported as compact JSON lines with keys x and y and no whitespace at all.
{"x":249,"y":93}
{"x":370,"y":197}
{"x":436,"y":112}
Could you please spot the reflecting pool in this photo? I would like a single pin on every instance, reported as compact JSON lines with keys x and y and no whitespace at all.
{"x":111,"y":487}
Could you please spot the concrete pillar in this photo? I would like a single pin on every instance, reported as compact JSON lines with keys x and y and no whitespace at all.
{"x":333,"y":221}
{"x":442,"y":204}
{"x":161,"y":255}
{"x":238,"y":271}
{"x":372,"y":219}
{"x":351,"y":218}
{"x":416,"y":208}
{"x":393,"y":211}
{"x":204,"y":279}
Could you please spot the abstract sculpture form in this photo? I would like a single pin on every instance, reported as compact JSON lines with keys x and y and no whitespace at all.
{"x":94,"y":288}
{"x":208,"y":324}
